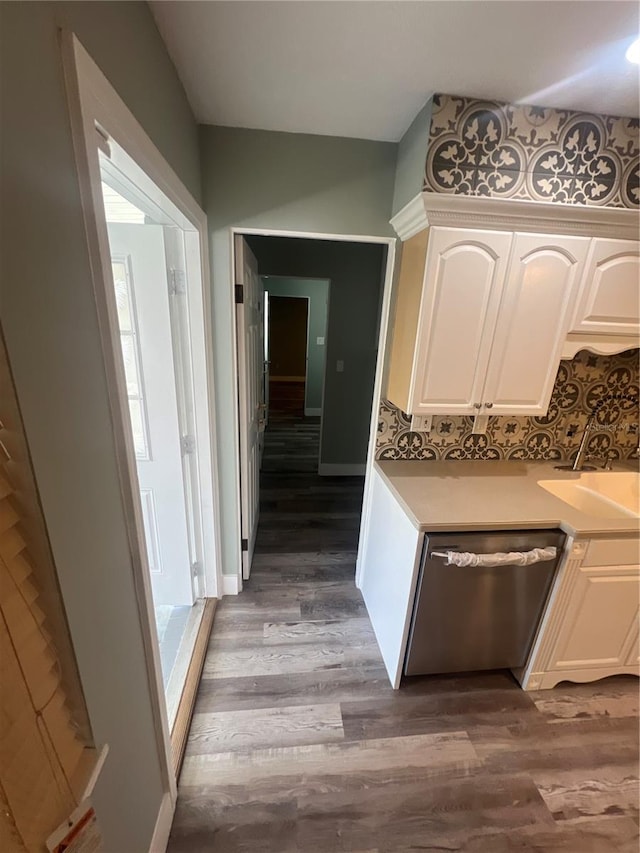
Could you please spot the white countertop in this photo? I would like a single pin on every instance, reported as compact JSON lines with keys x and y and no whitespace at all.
{"x":470,"y":495}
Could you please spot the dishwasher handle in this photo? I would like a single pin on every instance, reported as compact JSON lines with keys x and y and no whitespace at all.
{"x":500,"y":558}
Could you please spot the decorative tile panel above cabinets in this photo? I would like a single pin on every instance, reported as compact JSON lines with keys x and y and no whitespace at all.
{"x":487,"y":148}
{"x":579,"y":385}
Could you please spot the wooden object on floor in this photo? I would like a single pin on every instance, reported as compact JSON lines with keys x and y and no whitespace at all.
{"x":182,"y":722}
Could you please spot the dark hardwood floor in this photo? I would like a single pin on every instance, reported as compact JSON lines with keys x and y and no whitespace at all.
{"x":298,"y":743}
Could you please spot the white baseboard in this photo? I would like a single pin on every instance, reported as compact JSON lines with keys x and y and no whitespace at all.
{"x":230,"y":584}
{"x":312,"y":413}
{"x":330,"y":469}
{"x":163,"y":825}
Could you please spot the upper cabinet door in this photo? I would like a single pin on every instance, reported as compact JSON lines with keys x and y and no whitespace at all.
{"x":463,"y":286}
{"x":539,"y":299}
{"x":609,"y":300}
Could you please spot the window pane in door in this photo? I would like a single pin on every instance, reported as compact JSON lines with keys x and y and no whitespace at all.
{"x":137,"y":428}
{"x":130,"y":367}
{"x":123,"y":298}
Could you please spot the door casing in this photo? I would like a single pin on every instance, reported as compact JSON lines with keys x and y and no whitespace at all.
{"x":97,"y":110}
{"x":233,"y":583}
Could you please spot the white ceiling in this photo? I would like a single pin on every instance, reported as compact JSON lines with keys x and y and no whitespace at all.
{"x":364,"y":69}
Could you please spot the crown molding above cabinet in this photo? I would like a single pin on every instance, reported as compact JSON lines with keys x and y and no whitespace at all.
{"x":458,"y":211}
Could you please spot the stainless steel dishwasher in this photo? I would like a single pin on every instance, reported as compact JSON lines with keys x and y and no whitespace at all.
{"x":480,"y":616}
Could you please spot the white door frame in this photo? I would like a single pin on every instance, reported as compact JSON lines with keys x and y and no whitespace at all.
{"x":235,"y":581}
{"x":93,"y":102}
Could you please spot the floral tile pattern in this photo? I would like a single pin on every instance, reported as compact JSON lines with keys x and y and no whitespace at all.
{"x":580,"y":384}
{"x":486,"y":148}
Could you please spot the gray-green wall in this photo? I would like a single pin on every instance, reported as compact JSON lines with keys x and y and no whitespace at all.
{"x":282,"y":181}
{"x":49,"y":320}
{"x":412,"y":156}
{"x":356,"y":274}
{"x":317,"y":291}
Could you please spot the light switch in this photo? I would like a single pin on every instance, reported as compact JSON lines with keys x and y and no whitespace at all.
{"x":320,"y":342}
{"x":339,"y":366}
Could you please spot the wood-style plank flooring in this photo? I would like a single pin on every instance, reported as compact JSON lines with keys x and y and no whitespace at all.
{"x":298,"y":743}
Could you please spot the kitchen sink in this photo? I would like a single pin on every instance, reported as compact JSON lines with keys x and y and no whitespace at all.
{"x":607,"y":494}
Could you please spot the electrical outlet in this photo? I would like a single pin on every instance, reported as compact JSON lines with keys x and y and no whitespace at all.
{"x":320,"y":341}
{"x":339,"y":366}
{"x":421,"y":423}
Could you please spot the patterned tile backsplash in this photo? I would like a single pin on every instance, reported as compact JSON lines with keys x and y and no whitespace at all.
{"x":579,"y":385}
{"x":487,"y":148}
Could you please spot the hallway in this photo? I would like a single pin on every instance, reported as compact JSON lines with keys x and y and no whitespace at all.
{"x":299,"y":745}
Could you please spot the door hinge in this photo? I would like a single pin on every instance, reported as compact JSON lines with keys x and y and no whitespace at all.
{"x":188,"y":444}
{"x":244,"y":543}
{"x":177,"y":282}
{"x":239,"y":294}
{"x":196,"y":569}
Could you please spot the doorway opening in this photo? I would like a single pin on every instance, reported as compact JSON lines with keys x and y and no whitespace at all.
{"x":154,"y":254}
{"x":287,"y":431}
{"x":296,"y":312}
{"x":306,"y":395}
{"x":287,"y":331}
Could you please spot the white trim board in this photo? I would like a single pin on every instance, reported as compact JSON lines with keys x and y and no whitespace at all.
{"x":603,"y":344}
{"x":367,"y":498}
{"x":506,"y":214}
{"x":94,"y":103}
{"x":312,"y":235}
{"x":331,"y":469}
{"x":231,"y":585}
{"x":162,"y":829}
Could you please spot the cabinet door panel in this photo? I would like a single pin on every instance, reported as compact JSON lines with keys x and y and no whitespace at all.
{"x":539,"y":297}
{"x":601,"y":621}
{"x":463,"y":286}
{"x":609,"y":301}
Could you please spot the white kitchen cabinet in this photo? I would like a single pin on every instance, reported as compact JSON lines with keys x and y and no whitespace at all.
{"x":463,"y":285}
{"x":592,"y":629}
{"x":609,"y":295}
{"x":633,"y":658}
{"x":537,"y":306}
{"x":392,"y":548}
{"x":494,"y":309}
{"x":601,"y":621}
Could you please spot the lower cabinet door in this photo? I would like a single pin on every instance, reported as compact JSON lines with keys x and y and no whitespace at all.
{"x":601,"y":623}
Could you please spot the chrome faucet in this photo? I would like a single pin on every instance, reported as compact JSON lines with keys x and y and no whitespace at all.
{"x":582,"y":455}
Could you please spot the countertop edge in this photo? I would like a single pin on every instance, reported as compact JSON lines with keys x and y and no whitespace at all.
{"x":553,"y":521}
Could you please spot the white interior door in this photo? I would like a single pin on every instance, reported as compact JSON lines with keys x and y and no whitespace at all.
{"x":250,"y":335}
{"x":142,"y":296}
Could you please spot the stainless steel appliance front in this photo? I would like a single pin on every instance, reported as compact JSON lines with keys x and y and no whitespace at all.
{"x":477,"y":617}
